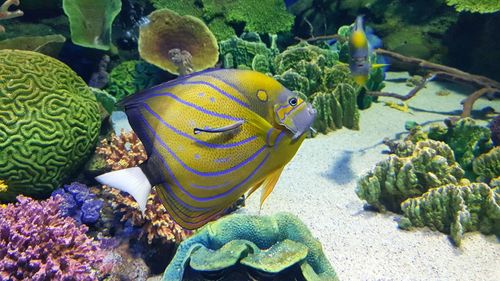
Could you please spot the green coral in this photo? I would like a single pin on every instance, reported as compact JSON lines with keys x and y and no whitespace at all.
{"x":130,"y":77}
{"x":267,"y":244}
{"x":475,"y":6}
{"x":239,"y":53}
{"x":466,"y":139}
{"x":455,"y":210}
{"x":90,"y":21}
{"x":223,"y":16}
{"x":487,"y":165}
{"x":316,"y":74}
{"x":264,"y":16}
{"x":49,"y":123}
{"x":431,"y":164}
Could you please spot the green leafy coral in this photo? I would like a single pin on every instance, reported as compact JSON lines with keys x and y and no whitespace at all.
{"x":417,"y":168}
{"x":130,"y":77}
{"x":455,"y":210}
{"x":91,"y":21}
{"x":222,"y":16}
{"x":475,"y":6}
{"x":273,"y":245}
{"x":48,"y":126}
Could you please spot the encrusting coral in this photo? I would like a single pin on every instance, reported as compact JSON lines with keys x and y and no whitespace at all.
{"x":411,"y":172}
{"x":6,"y":14}
{"x":38,"y":243}
{"x":455,"y":210}
{"x":79,"y":203}
{"x":270,"y":245}
{"x":167,"y":31}
{"x":52,"y":119}
{"x":123,"y":151}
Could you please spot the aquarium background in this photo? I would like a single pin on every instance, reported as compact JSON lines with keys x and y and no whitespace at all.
{"x":397,"y":179}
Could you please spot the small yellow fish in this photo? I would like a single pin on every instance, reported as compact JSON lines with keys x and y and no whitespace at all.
{"x":359,"y":53}
{"x":211,"y":137}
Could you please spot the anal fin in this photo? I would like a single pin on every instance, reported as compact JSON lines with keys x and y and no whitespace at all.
{"x":269,"y":183}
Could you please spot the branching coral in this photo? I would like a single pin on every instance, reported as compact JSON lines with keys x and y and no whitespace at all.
{"x":127,"y":151}
{"x":123,"y":151}
{"x":156,"y":222}
{"x":6,"y":14}
{"x":37,"y":243}
{"x":476,"y":6}
{"x":455,"y":210}
{"x":430,"y":164}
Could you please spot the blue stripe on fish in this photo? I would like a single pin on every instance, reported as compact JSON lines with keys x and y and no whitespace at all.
{"x":200,"y":173}
{"x":209,"y":187}
{"x":203,"y":143}
{"x":278,"y":139}
{"x":222,"y":92}
{"x":194,"y":106}
{"x":195,"y":198}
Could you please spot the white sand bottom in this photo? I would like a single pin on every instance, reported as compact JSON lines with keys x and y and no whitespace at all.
{"x":318,"y":186}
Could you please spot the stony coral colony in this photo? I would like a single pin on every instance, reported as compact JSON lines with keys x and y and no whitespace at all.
{"x":78,"y":233}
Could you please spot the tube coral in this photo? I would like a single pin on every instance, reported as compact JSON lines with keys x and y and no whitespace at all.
{"x":6,"y":14}
{"x":37,"y":243}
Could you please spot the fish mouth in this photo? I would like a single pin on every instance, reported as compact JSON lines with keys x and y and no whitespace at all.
{"x":304,"y":126}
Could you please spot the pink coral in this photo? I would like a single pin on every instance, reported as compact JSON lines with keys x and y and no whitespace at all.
{"x":37,"y":243}
{"x":6,"y":14}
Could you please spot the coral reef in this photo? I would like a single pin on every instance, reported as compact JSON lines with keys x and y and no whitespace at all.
{"x":49,"y":123}
{"x":267,"y":244}
{"x":475,"y":6}
{"x":264,"y":16}
{"x":414,"y":169}
{"x":224,"y":17}
{"x":79,"y":203}
{"x":245,"y":54}
{"x":37,"y":243}
{"x":465,"y":138}
{"x":156,"y":223}
{"x":487,"y":165}
{"x":166,"y":31}
{"x":6,"y":14}
{"x":133,"y":76}
{"x":316,"y":73}
{"x":90,"y":21}
{"x":455,"y":210}
{"x":123,"y":151}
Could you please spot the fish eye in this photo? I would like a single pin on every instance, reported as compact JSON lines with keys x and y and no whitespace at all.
{"x":292,"y":101}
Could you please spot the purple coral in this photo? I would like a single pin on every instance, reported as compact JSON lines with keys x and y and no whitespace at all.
{"x":79,"y":203}
{"x":37,"y":243}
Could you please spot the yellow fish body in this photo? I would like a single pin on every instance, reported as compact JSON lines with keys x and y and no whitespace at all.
{"x":210,"y":138}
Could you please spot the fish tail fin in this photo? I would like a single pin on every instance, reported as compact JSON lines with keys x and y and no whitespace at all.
{"x":131,"y":180}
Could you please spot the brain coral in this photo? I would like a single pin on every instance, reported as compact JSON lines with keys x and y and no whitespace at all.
{"x":49,"y":123}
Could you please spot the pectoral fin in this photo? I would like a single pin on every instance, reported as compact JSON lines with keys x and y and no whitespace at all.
{"x":269,"y":184}
{"x":220,"y":129}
